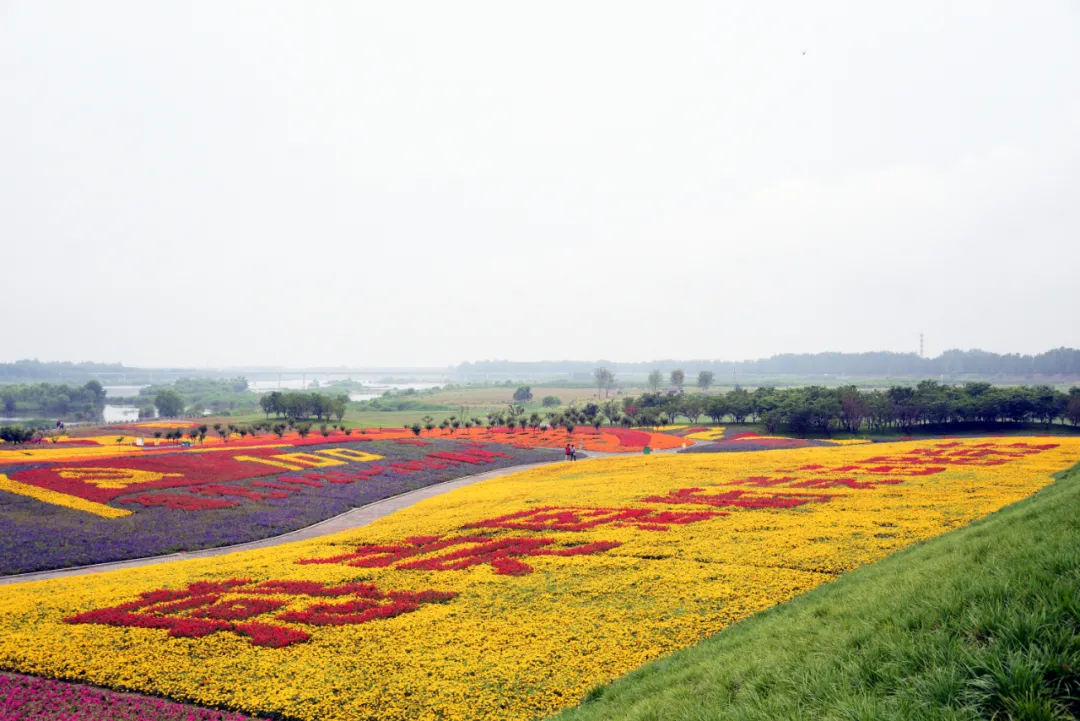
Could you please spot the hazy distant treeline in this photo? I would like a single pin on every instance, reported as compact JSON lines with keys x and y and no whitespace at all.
{"x":80,"y":402}
{"x":1060,"y":361}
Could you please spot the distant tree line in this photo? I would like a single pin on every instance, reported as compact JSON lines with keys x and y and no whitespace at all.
{"x":81,"y":402}
{"x":1060,"y":361}
{"x":304,"y":405}
{"x":815,"y":409}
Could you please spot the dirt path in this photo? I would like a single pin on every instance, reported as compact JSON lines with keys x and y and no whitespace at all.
{"x":356,"y":518}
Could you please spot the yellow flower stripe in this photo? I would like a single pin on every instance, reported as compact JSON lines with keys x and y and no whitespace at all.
{"x":850,"y":441}
{"x":60,"y":499}
{"x":521,"y":646}
{"x":60,"y":452}
{"x":712,"y":434}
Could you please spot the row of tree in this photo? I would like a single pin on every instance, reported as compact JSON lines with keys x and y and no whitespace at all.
{"x":304,"y":405}
{"x":812,"y":409}
{"x":825,"y":410}
{"x":605,"y":381}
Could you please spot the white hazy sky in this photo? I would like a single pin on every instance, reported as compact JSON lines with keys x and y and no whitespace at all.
{"x":226,"y":183}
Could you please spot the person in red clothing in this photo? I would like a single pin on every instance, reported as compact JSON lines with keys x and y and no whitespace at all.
{"x":568,"y":451}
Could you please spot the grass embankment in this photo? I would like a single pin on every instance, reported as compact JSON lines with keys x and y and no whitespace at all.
{"x":981,"y":623}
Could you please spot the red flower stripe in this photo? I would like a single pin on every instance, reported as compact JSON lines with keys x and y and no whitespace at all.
{"x":738,"y":499}
{"x":199,"y":610}
{"x":276,"y":484}
{"x":219,"y":489}
{"x":760,"y":481}
{"x":552,"y":518}
{"x":501,"y":554}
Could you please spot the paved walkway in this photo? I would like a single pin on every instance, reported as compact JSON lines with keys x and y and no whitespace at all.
{"x":356,"y":518}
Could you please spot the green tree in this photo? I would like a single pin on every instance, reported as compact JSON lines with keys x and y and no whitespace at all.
{"x":705,"y":380}
{"x":551,"y":401}
{"x":169,"y":403}
{"x":338,"y":406}
{"x":678,"y":378}
{"x":604,"y":380}
{"x":691,"y":407}
{"x":739,"y":404}
{"x":716,"y":408}
{"x":97,"y":389}
{"x":1072,"y":410}
{"x":523,"y":394}
{"x":656,"y":379}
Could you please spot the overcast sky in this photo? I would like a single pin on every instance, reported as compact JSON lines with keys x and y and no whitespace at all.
{"x":224,"y":183}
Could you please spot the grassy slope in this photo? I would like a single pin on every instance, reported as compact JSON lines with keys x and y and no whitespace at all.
{"x":981,"y":623}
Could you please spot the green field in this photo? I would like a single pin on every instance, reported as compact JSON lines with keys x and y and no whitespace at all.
{"x":983,"y":623}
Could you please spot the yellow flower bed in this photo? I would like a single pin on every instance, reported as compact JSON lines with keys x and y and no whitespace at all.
{"x":65,"y":452}
{"x":850,"y":441}
{"x":511,"y":598}
{"x":712,"y":434}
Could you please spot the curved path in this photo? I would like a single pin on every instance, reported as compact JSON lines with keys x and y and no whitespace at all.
{"x":356,"y":518}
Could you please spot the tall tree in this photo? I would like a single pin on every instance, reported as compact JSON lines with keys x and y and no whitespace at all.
{"x":678,"y":378}
{"x":656,"y":379}
{"x":604,"y":380}
{"x":169,"y":403}
{"x":705,"y":380}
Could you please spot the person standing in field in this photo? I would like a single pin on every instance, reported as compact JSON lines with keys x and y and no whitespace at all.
{"x":568,"y":451}
{"x":573,"y":453}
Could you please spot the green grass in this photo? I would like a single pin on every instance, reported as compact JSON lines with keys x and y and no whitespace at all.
{"x":982,"y":623}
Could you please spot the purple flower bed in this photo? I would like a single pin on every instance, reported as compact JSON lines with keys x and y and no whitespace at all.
{"x":736,"y":445}
{"x":38,"y":536}
{"x":26,"y":698}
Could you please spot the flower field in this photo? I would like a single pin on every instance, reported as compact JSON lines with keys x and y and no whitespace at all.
{"x":511,"y":598}
{"x":606,"y":439}
{"x":94,"y":510}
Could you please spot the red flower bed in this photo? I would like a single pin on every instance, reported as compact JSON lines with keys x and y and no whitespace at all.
{"x":199,"y":610}
{"x":455,"y":457}
{"x":178,"y":469}
{"x":501,"y":554}
{"x":552,"y":518}
{"x":760,"y":481}
{"x":627,"y":437}
{"x":218,"y":489}
{"x":278,"y":485}
{"x":738,"y":499}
